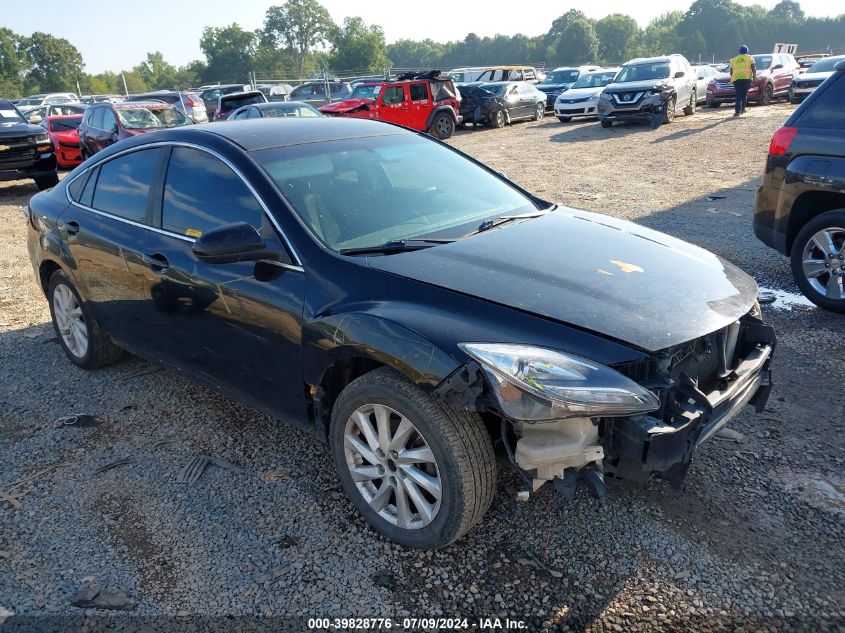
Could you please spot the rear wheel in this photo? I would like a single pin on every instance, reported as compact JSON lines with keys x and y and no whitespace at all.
{"x":818,"y":260}
{"x":443,"y":126}
{"x":419,"y":472}
{"x":564,"y":119}
{"x":84,"y":342}
{"x":45,"y":182}
{"x":497,"y":119}
{"x":540,"y":111}
{"x":606,"y":124}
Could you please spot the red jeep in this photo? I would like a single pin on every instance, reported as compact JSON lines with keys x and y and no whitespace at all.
{"x":420,"y":101}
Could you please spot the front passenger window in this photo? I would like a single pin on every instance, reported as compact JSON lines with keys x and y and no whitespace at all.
{"x":201,"y":193}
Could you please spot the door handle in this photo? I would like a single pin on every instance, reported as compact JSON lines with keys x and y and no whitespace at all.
{"x":71,"y":227}
{"x":157,"y":262}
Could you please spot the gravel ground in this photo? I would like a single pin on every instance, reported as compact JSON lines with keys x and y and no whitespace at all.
{"x":753,"y":540}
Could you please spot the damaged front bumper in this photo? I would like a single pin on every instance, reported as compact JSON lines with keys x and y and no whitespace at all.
{"x":701,"y":385}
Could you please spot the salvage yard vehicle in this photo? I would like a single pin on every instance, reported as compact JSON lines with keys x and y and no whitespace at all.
{"x":364,"y":94}
{"x":509,"y":73}
{"x":519,"y":101}
{"x":649,"y":89}
{"x":276,"y":109}
{"x":479,"y":106}
{"x":421,"y":101}
{"x":211,"y":96}
{"x":561,"y":79}
{"x":37,"y":114}
{"x":704,"y":75}
{"x":64,"y":133}
{"x":231,"y":102}
{"x":45,"y":98}
{"x":800,"y":207}
{"x":314,"y":92}
{"x":189,"y":103}
{"x":774,"y":77}
{"x":404,"y":302}
{"x":805,"y":83}
{"x":105,"y":124}
{"x":581,"y":100}
{"x":25,"y":149}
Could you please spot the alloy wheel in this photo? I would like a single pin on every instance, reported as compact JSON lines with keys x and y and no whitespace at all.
{"x":70,"y":321}
{"x":392,"y":466}
{"x":823,"y":263}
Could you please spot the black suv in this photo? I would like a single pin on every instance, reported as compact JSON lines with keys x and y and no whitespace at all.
{"x":25,"y":149}
{"x":800,"y":207}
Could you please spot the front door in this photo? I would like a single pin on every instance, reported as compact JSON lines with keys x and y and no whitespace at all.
{"x":234,"y":327}
{"x":106,"y":231}
{"x":393,"y":104}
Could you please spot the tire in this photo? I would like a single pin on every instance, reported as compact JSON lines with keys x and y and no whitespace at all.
{"x":564,"y":119}
{"x":45,"y":182}
{"x":539,"y":112}
{"x":714,"y":104}
{"x":463,"y":464}
{"x":767,"y":96}
{"x":690,"y":109}
{"x":823,"y":280}
{"x":498,"y":119}
{"x":606,"y":124}
{"x":794,"y":101}
{"x":669,"y":113}
{"x":99,"y":350}
{"x":443,"y":126}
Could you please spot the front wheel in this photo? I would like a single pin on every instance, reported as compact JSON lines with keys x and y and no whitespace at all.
{"x":818,"y":260}
{"x":84,"y":342}
{"x":45,"y":182}
{"x":540,"y":111}
{"x":606,"y":124}
{"x":419,"y":472}
{"x":768,"y":95}
{"x":669,"y":112}
{"x":443,"y":126}
{"x":564,"y":119}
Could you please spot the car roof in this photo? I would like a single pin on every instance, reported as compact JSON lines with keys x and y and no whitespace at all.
{"x":267,"y":133}
{"x":650,"y":60}
{"x":130,"y":105}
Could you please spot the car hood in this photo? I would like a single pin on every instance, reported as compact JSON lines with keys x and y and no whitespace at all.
{"x":634,"y":86}
{"x":815,"y":76}
{"x":346,"y":106}
{"x":608,"y":276}
{"x":17,"y":129}
{"x":553,"y":87}
{"x":579,"y":93}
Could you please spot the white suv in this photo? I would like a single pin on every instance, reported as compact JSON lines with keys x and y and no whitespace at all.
{"x":43,"y":98}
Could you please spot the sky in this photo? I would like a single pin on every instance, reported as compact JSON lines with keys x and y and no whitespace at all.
{"x":117,"y":35}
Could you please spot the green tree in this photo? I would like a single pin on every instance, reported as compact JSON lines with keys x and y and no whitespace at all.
{"x":156,"y":72}
{"x":787,"y":10}
{"x":298,"y":26}
{"x":189,"y":75}
{"x":358,"y":47}
{"x":56,"y":64}
{"x":618,"y":37}
{"x":13,"y":63}
{"x":134,"y":82}
{"x":229,"y":51}
{"x":661,"y":35}
{"x":573,"y":39}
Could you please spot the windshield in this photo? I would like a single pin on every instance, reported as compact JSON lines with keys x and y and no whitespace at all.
{"x":291,"y":110}
{"x":65,"y":125}
{"x":643,"y":72}
{"x":364,"y":192}
{"x":306,"y":90}
{"x":762,"y":61}
{"x":825,"y":65}
{"x":496,"y":88}
{"x":561,"y":77}
{"x":365,"y":92}
{"x":593,"y":80}
{"x":30,"y":102}
{"x":9,"y":115}
{"x":149,"y":118}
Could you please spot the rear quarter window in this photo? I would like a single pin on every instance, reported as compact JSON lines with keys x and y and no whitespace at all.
{"x":123,"y":187}
{"x":826,"y":110}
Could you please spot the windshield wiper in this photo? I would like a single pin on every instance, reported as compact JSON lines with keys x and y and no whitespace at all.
{"x":503,"y":219}
{"x":395,"y":246}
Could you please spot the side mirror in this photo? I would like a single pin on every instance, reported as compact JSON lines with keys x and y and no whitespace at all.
{"x":679,"y":74}
{"x":234,"y":242}
{"x":777,"y":67}
{"x":35,"y":119}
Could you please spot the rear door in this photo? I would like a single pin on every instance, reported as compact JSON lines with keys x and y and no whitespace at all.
{"x":234,"y":327}
{"x":106,"y":230}
{"x":527,"y":99}
{"x":420,"y":105}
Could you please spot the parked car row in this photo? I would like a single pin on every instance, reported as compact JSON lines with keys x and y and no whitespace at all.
{"x":775,"y":74}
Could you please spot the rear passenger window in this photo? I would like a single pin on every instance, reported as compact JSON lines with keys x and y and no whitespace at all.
{"x":97,"y":119}
{"x":826,"y":110}
{"x":419,"y":92}
{"x":123,"y":187}
{"x":202,"y":193}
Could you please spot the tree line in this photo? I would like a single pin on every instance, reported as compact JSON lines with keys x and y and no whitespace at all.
{"x":299,"y":38}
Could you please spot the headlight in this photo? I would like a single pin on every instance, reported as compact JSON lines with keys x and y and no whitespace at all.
{"x":594,"y":97}
{"x":41,"y":139}
{"x":532,"y":383}
{"x":604,"y":97}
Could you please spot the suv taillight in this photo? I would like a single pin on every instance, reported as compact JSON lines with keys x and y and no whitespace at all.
{"x":782,"y":140}
{"x":188,"y":101}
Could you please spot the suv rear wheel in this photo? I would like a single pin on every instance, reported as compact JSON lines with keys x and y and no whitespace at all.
{"x":443,"y":126}
{"x":818,"y":260}
{"x":690,"y":109}
{"x":419,"y":472}
{"x":768,"y":95}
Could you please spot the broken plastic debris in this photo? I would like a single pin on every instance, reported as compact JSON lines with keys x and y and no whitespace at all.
{"x":194,"y":469}
{"x":118,"y":462}
{"x":90,"y":597}
{"x":729,"y":434}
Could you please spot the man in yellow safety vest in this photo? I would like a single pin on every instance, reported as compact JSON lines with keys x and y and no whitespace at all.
{"x":743,"y":72}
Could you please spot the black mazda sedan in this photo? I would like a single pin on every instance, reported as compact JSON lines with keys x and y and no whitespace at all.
{"x":405,"y":303}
